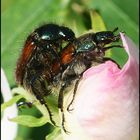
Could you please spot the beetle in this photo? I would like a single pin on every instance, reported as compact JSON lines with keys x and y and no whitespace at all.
{"x":44,"y":65}
{"x":86,"y":51}
{"x":42,"y":46}
{"x":47,"y":37}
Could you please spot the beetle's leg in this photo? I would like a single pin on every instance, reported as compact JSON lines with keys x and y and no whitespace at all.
{"x":55,"y":53}
{"x":39,"y":90}
{"x":74,"y":93}
{"x":110,"y":47}
{"x":60,"y":105}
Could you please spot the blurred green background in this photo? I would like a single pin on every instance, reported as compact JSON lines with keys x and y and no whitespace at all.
{"x":20,"y":17}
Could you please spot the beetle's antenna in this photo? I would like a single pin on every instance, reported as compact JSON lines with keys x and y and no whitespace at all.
{"x":115,"y":29}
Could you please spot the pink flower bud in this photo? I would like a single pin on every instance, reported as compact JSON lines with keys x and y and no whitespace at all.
{"x":107,"y":103}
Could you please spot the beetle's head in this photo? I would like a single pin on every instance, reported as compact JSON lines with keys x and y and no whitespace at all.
{"x":106,"y":37}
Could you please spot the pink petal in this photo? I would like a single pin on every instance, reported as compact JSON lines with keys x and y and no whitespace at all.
{"x":107,"y":102}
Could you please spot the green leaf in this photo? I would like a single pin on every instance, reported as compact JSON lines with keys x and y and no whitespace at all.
{"x":126,"y":5}
{"x":10,"y":102}
{"x":55,"y":135}
{"x":97,"y":22}
{"x":30,"y":121}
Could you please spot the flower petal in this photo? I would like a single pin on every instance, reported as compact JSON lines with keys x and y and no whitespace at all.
{"x":8,"y":129}
{"x":106,"y":106}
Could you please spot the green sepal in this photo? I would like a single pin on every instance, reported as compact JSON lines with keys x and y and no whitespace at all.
{"x":97,"y":22}
{"x":11,"y":102}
